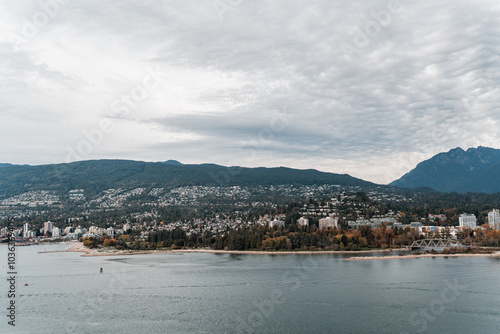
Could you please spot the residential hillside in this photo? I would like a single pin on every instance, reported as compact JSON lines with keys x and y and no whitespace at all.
{"x":97,"y":175}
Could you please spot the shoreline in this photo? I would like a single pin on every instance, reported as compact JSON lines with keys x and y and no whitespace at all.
{"x":372,"y":258}
{"x":79,"y":248}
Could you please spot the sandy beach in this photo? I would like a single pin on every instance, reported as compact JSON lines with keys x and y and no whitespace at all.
{"x":78,"y":247}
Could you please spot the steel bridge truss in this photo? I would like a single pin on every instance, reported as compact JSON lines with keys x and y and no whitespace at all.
{"x":436,"y":243}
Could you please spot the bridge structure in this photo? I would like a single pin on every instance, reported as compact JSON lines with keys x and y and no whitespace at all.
{"x":436,"y":244}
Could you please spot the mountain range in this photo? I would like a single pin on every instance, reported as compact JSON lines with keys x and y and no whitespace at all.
{"x":99,"y":175}
{"x":473,"y":170}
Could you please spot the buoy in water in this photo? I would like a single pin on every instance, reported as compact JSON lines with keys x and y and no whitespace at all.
{"x":101,"y":270}
{"x":26,"y":284}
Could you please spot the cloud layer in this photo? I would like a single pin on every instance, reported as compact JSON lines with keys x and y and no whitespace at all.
{"x":368,"y":89}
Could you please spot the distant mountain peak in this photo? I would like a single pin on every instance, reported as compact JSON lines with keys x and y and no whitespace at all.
{"x":473,"y":170}
{"x":173,"y":162}
{"x":457,"y":150}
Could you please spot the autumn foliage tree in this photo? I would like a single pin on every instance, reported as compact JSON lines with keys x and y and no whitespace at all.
{"x":109,"y":242}
{"x":90,"y":242}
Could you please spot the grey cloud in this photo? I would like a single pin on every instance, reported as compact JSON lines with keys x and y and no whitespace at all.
{"x":427,"y":80}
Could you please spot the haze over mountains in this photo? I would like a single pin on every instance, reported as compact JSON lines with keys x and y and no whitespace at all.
{"x":474,"y":170}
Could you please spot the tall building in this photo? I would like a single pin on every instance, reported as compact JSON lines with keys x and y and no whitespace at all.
{"x":26,"y":228}
{"x":47,"y":227}
{"x":494,"y":219}
{"x":56,"y":232}
{"x":467,"y":220}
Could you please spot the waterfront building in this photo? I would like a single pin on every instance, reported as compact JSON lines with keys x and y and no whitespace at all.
{"x":110,"y":232}
{"x":56,"y":232}
{"x":494,"y":219}
{"x":70,"y":236}
{"x":94,"y":229}
{"x":79,"y":232}
{"x":47,"y":227}
{"x":467,"y":220}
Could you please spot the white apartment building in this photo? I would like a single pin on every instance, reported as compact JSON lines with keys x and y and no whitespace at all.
{"x":47,"y":227}
{"x":303,"y":222}
{"x":110,"y":232}
{"x":328,"y":222}
{"x":80,"y":231}
{"x":94,"y":229}
{"x":467,"y":220}
{"x":494,"y":219}
{"x":276,"y":223}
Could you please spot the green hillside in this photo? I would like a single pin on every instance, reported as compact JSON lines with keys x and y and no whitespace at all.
{"x":97,"y":175}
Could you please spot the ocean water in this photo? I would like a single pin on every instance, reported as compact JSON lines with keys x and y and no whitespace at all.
{"x":214,"y":293}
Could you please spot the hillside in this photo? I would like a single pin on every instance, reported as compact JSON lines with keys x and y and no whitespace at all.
{"x":98,"y":175}
{"x":474,"y":170}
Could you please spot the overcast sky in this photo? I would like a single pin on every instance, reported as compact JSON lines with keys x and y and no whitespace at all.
{"x":368,"y":88}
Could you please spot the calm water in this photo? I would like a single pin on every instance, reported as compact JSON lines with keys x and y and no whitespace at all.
{"x":208,"y":293}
